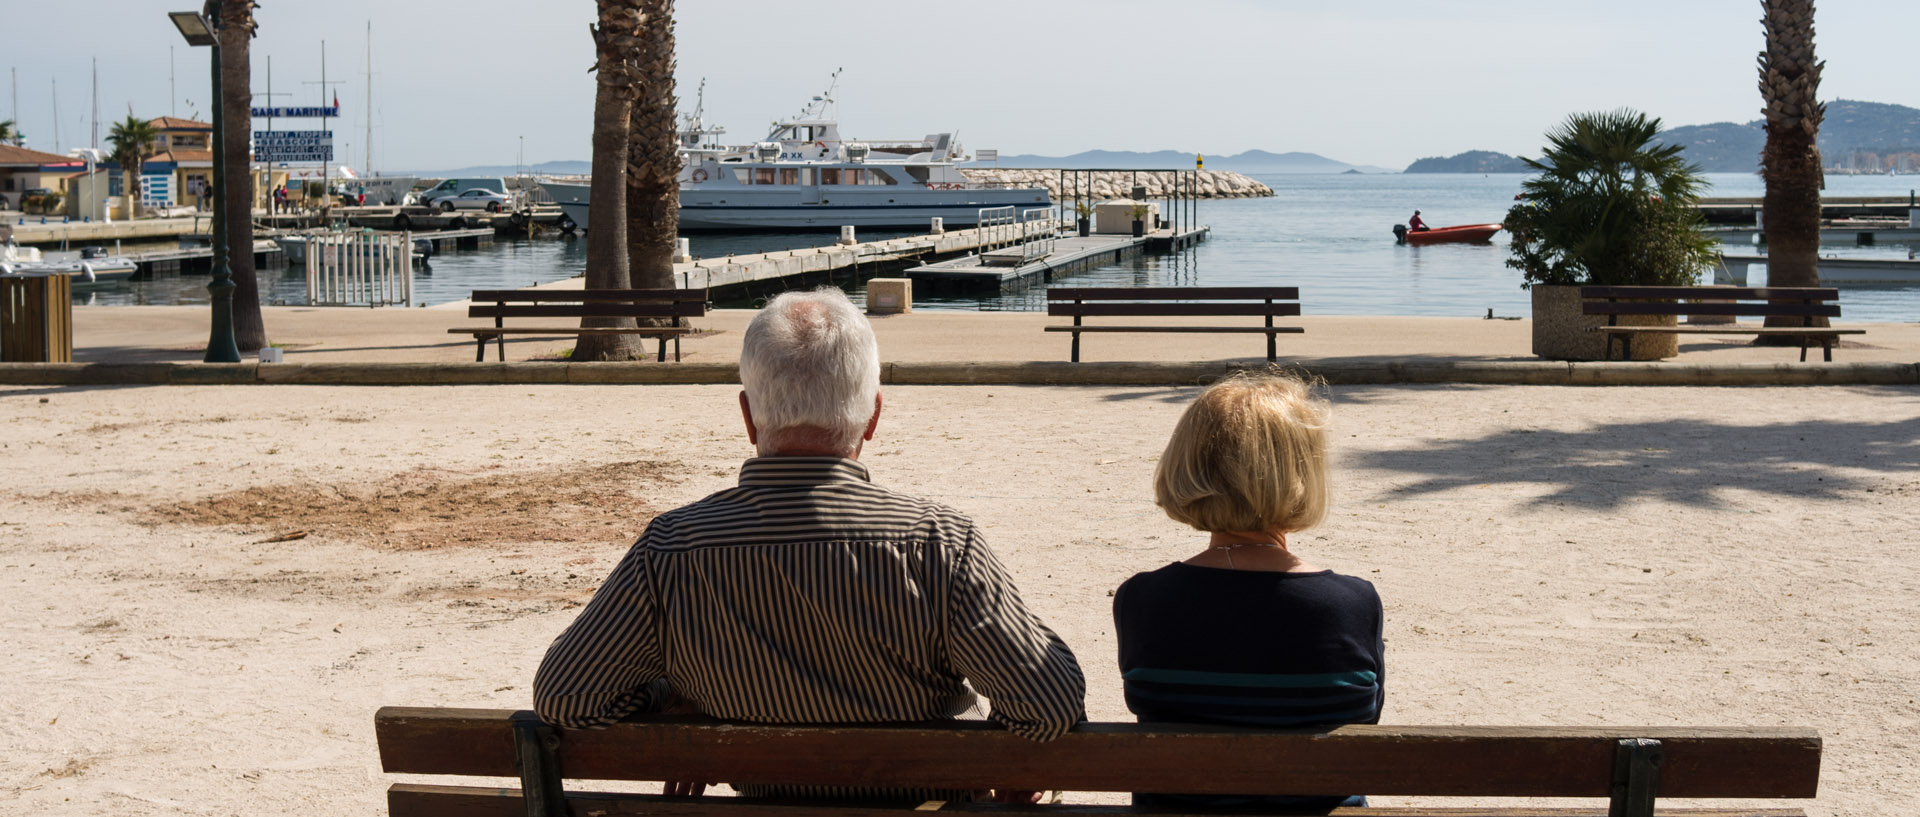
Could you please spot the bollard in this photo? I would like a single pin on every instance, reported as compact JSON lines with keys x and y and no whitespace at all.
{"x":272,"y":354}
{"x":846,"y":234}
{"x":939,"y":226}
{"x":889,"y":296}
{"x":683,"y":251}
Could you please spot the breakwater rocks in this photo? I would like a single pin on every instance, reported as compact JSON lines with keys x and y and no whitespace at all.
{"x":1118,"y":184}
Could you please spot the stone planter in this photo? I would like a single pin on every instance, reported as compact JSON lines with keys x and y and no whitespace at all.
{"x":1560,"y":332}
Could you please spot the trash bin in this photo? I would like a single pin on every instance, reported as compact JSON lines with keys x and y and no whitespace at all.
{"x":36,"y":318}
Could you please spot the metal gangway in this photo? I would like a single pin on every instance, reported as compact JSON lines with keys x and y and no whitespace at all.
{"x":1011,"y":237}
{"x":359,"y":268}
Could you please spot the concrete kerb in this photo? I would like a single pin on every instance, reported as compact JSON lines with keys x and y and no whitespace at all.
{"x":951,"y":373}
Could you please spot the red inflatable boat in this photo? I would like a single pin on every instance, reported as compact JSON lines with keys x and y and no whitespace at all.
{"x":1459,"y":233}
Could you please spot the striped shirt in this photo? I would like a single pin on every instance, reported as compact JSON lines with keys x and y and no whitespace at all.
{"x":810,"y":595}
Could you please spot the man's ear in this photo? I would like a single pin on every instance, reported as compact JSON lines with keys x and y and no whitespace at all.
{"x":753,"y":434}
{"x":872,"y":422}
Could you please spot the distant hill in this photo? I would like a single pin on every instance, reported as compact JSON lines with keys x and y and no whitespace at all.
{"x":1252,"y":161}
{"x":1472,"y":161}
{"x":1855,"y":135}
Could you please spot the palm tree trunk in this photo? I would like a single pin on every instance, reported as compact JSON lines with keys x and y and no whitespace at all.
{"x":131,"y":186}
{"x":1790,"y":163}
{"x":653,"y":157}
{"x":615,"y":38}
{"x":236,"y":84}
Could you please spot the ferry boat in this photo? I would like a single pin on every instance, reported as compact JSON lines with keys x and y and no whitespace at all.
{"x":805,"y":176}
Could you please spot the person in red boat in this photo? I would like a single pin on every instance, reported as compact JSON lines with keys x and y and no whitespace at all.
{"x":1416,"y":225}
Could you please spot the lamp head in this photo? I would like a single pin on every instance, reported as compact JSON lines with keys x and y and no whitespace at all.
{"x":193,"y":26}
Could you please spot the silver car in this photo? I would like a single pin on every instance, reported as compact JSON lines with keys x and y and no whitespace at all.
{"x":473,"y":200}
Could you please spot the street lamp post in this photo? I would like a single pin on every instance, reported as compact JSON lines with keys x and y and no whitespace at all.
{"x":221,"y":346}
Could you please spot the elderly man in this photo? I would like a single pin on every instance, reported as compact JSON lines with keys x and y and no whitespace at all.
{"x":809,"y":594}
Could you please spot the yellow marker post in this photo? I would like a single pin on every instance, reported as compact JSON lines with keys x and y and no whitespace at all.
{"x":1199,"y":162}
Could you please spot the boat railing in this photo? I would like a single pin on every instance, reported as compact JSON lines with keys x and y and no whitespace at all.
{"x":359,"y":268}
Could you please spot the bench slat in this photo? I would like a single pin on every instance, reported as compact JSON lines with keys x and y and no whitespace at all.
{"x":1386,"y":760}
{"x":1171,"y":293}
{"x":1815,"y":331}
{"x":1256,"y":330}
{"x":1739,"y":293}
{"x":490,"y":331}
{"x":582,"y":295}
{"x":596,"y":310}
{"x":1169,"y":310}
{"x":1760,"y":308}
{"x":418,"y":800}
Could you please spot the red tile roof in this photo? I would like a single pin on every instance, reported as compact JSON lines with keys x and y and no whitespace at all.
{"x":181,"y":156}
{"x":175,"y":123}
{"x":10,"y":155}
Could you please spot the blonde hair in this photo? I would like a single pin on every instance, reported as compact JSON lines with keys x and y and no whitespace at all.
{"x":1250,"y":454}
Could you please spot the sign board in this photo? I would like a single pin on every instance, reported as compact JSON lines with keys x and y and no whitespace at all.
{"x":987,"y":155}
{"x":293,"y":145}
{"x":296,"y":113}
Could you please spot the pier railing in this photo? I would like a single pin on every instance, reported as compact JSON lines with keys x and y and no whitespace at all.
{"x":1040,"y":227}
{"x":360,"y":268}
{"x":999,"y":227}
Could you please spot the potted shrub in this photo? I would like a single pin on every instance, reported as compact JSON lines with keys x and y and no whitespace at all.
{"x":1139,"y":212}
{"x":1083,"y":215}
{"x":1608,"y":207}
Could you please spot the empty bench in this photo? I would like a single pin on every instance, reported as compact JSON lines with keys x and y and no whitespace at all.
{"x":1174,"y":302}
{"x":1808,"y":304}
{"x":1626,"y":768}
{"x":646,"y":304}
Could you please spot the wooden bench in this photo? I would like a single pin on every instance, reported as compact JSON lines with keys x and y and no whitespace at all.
{"x":1627,"y":768}
{"x":1170,"y":302}
{"x":500,"y":304}
{"x":1806,"y":303}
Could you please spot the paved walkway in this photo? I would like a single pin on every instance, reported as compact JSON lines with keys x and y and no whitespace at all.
{"x":151,"y":334}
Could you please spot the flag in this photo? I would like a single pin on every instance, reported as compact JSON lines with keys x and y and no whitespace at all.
{"x":336,"y":100}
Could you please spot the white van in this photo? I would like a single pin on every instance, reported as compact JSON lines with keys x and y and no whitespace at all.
{"x":454,"y":187}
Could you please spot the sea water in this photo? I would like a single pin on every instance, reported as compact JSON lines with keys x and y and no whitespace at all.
{"x":1329,"y":235}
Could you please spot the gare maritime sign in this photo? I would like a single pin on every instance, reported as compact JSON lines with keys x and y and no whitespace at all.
{"x":296,"y":113}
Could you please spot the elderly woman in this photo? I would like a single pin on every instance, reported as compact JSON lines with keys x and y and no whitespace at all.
{"x":1246,"y":631}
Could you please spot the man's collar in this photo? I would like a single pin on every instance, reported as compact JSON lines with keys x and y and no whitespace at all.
{"x":801,"y":471}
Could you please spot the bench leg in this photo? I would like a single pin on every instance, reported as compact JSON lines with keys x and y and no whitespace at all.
{"x":1626,"y":347}
{"x":1271,"y":350}
{"x":501,"y":345}
{"x":676,"y":348}
{"x":480,"y":349}
{"x":1826,"y":348}
{"x":663,"y":349}
{"x":1076,"y":347}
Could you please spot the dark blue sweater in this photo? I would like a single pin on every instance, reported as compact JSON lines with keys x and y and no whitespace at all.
{"x":1252,"y":648}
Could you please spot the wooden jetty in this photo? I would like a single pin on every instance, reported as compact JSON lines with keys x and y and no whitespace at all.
{"x":199,"y":258}
{"x":738,"y":275}
{"x":1833,"y":271}
{"x":1068,"y":253}
{"x":1858,"y":232}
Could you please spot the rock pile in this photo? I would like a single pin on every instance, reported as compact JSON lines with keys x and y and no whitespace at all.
{"x":1115,"y":184}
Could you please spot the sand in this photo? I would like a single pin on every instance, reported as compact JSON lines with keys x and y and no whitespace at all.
{"x":210,"y":590}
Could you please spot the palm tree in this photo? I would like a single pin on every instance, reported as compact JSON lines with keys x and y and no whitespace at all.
{"x":132,"y":139}
{"x":235,"y":22}
{"x":7,"y":133}
{"x":1790,"y":163}
{"x":617,"y":41}
{"x":1609,"y":206}
{"x":653,"y":154}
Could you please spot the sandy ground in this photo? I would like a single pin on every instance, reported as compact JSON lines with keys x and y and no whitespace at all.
{"x":1619,"y":556}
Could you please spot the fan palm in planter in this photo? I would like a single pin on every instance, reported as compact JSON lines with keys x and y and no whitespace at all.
{"x":1083,"y":213}
{"x":1609,"y":207}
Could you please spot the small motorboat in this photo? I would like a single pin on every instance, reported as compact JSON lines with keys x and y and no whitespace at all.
{"x":1457,"y":234}
{"x":91,"y":267}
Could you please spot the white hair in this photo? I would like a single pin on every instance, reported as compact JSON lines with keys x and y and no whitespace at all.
{"x":809,"y":364}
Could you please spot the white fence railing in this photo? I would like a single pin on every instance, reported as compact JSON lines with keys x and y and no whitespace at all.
{"x":999,"y":227}
{"x":361,"y":268}
{"x":1040,"y":227}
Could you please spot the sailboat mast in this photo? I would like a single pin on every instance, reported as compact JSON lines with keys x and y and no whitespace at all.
{"x":95,"y":143}
{"x":366,"y":147}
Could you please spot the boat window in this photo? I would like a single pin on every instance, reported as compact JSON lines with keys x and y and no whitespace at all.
{"x":829,"y":175}
{"x":852,"y":175}
{"x":740,"y":175}
{"x":789,"y":175}
{"x":806,"y":175}
{"x":878,"y":176}
{"x":763,"y":175}
{"x":918,"y":175}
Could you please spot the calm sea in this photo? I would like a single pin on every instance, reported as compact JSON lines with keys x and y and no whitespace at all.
{"x":1329,"y":235}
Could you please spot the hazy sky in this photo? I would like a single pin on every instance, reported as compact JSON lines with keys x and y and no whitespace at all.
{"x":463,"y":82}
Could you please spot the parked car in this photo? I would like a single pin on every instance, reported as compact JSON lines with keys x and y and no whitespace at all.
{"x":473,"y":200}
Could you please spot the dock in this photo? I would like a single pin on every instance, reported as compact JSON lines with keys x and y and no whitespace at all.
{"x":1068,"y":253}
{"x":1745,"y":210}
{"x":199,"y":258}
{"x":1858,"y":232}
{"x":738,"y":275}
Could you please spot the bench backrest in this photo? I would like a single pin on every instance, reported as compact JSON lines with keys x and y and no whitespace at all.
{"x":1109,"y":757}
{"x":1173,"y":301}
{"x":1807,"y":302}
{"x":607,"y":303}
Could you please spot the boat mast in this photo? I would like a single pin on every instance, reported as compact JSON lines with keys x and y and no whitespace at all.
{"x":95,"y":144}
{"x":366,"y":147}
